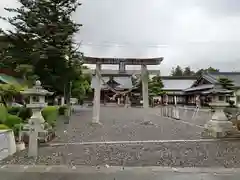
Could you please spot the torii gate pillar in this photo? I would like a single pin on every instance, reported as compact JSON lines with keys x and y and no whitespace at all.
{"x":144,"y":75}
{"x":97,"y":94}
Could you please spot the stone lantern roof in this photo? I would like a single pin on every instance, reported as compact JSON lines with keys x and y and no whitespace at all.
{"x":37,"y":89}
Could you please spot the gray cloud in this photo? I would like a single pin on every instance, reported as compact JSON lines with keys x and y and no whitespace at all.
{"x":198,"y":33}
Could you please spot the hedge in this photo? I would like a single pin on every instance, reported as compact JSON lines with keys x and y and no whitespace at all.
{"x":3,"y":114}
{"x":13,"y":110}
{"x":3,"y":127}
{"x":12,"y":120}
{"x":62,"y":110}
{"x":50,"y":114}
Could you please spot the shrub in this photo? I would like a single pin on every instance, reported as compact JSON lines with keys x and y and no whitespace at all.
{"x":3,"y":126}
{"x":62,"y":109}
{"x":25,"y":113}
{"x":13,"y":110}
{"x":3,"y":114}
{"x":50,"y":114}
{"x":12,"y":120}
{"x":16,"y":128}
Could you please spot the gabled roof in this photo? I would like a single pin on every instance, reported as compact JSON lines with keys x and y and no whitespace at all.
{"x":177,"y":83}
{"x":213,"y":77}
{"x":199,"y":88}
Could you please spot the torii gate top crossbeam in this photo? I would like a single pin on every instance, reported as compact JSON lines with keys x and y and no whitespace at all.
{"x":127,"y":61}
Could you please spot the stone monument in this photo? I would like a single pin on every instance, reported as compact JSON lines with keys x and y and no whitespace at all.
{"x":36,"y":123}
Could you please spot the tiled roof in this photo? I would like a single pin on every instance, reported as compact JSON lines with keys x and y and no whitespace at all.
{"x":177,"y":84}
{"x":201,"y":87}
{"x":213,"y":77}
{"x":170,"y":83}
{"x":216,"y":91}
{"x":125,"y":82}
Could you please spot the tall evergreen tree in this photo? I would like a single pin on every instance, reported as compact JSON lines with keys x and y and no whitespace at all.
{"x":156,"y":85}
{"x":43,"y":37}
{"x":188,"y":72}
{"x":177,"y":71}
{"x":210,"y":70}
{"x":226,"y":83}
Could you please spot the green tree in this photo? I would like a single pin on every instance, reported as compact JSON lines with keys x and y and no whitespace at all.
{"x":226,"y":83}
{"x":155,"y":86}
{"x":43,"y":38}
{"x":81,"y":86}
{"x":188,"y":72}
{"x":4,"y":59}
{"x":27,"y":73}
{"x":8,"y":91}
{"x":177,"y":71}
{"x":210,"y":70}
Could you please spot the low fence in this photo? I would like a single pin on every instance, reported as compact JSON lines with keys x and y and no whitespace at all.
{"x":7,"y":143}
{"x":189,"y":114}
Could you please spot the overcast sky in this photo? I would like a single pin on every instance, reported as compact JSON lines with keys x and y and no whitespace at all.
{"x":196,"y":33}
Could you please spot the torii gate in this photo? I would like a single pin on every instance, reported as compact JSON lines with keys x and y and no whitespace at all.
{"x":122,"y":69}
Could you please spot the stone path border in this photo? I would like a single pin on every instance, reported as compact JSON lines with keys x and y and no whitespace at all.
{"x":140,"y":142}
{"x":112,"y":169}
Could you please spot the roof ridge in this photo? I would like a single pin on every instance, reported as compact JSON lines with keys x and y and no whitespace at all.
{"x":209,"y":77}
{"x":223,"y":73}
{"x":179,"y":77}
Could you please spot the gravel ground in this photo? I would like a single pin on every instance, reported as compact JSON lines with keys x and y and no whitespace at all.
{"x":123,"y":124}
{"x":201,"y":117}
{"x":185,"y":154}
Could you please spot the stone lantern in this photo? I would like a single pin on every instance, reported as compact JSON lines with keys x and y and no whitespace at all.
{"x":219,"y":125}
{"x":36,"y":103}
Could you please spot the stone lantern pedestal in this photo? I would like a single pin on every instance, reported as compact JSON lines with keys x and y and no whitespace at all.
{"x":219,"y":126}
{"x":36,"y":122}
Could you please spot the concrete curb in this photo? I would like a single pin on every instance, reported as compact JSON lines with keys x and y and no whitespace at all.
{"x":113,"y":169}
